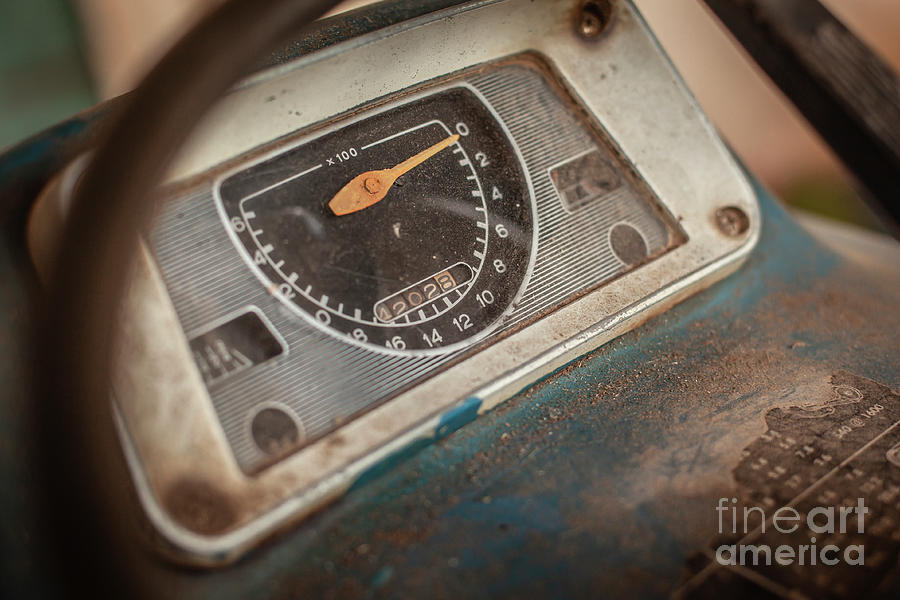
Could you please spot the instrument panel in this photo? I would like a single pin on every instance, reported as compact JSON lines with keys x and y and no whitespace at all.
{"x":357,"y":254}
{"x":522,"y":206}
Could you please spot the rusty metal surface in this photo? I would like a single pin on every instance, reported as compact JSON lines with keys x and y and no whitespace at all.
{"x":602,"y":480}
{"x":824,"y":446}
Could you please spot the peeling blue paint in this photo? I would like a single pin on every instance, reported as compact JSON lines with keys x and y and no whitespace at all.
{"x":453,"y":419}
{"x":458,"y":416}
{"x":575,"y":488}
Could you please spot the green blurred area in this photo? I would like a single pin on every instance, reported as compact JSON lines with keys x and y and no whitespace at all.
{"x":43,"y":74}
{"x":832,"y":197}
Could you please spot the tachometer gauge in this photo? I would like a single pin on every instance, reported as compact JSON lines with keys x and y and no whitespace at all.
{"x":408,"y":231}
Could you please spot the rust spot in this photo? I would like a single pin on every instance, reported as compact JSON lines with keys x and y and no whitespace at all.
{"x":732,"y":221}
{"x":200,"y":507}
{"x":404,"y":536}
{"x":593,"y":18}
{"x":337,"y":439}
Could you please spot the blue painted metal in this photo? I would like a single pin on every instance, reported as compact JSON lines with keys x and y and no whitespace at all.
{"x":600,"y":480}
{"x":603,"y":478}
{"x":463,"y":414}
{"x":610,"y":466}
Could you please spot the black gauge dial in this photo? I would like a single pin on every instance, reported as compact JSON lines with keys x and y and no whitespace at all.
{"x":409,"y":230}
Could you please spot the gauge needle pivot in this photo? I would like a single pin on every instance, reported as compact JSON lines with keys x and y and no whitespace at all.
{"x":371,"y":187}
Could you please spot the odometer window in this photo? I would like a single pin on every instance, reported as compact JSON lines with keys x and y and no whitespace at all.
{"x":439,"y":240}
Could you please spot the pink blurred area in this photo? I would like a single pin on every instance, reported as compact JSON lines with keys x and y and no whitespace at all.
{"x":126,"y":37}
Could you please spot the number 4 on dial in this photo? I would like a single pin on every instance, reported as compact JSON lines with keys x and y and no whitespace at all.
{"x":434,"y":339}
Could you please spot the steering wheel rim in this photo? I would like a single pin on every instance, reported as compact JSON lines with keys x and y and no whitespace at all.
{"x":79,"y":461}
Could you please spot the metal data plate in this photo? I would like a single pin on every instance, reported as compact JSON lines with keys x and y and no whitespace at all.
{"x":240,"y":412}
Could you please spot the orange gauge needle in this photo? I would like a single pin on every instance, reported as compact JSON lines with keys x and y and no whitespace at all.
{"x":371,"y":187}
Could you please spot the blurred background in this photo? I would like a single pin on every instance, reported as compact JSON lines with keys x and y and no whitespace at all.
{"x":58,"y":57}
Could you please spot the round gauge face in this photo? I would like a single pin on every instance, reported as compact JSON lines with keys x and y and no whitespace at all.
{"x":409,"y":231}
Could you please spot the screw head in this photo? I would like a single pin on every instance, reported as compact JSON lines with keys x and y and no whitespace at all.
{"x":593,"y":18}
{"x":372,"y":185}
{"x":732,"y":221}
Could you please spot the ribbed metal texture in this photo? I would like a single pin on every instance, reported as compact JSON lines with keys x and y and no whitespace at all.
{"x":325,"y":381}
